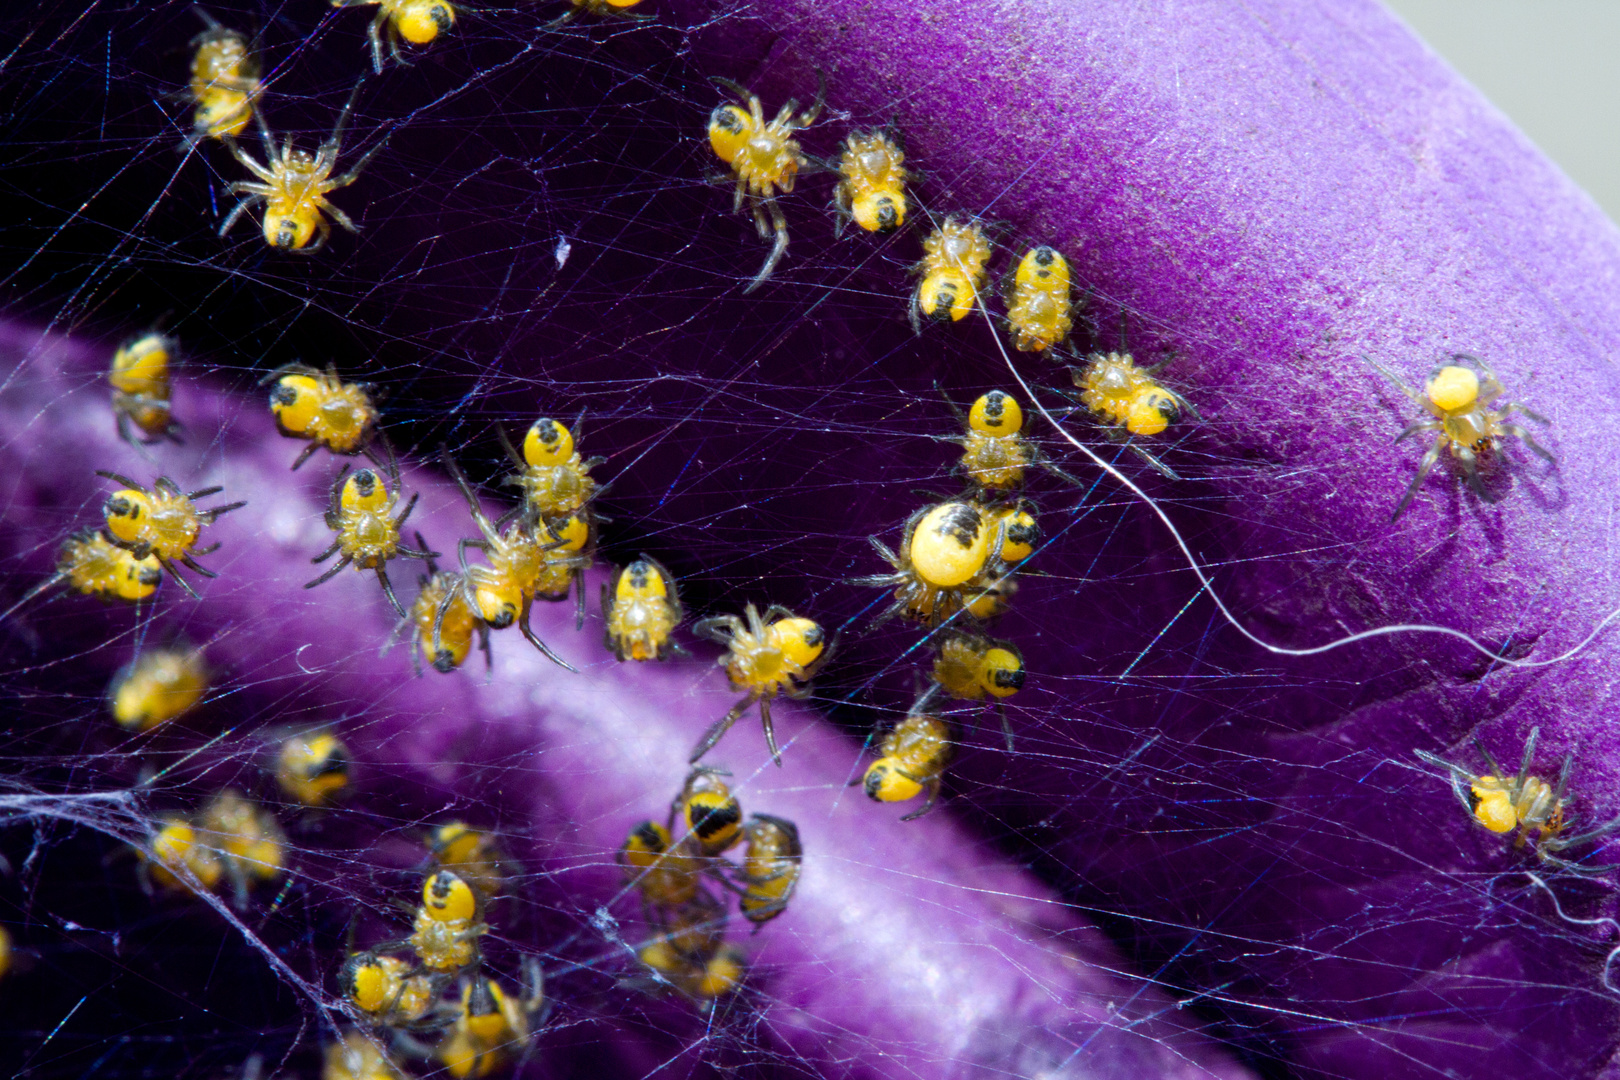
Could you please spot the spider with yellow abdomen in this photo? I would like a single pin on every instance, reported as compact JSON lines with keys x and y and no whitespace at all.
{"x":367,"y":536}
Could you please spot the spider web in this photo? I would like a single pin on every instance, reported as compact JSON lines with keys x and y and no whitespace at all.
{"x":544,"y":232}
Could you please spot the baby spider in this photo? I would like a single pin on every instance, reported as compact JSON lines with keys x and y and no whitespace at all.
{"x":709,"y":811}
{"x":313,"y":769}
{"x":1523,"y":803}
{"x":445,"y":642}
{"x":419,"y":22}
{"x":449,"y":923}
{"x":995,"y":452}
{"x":614,"y":8}
{"x":567,"y":550}
{"x":90,"y":563}
{"x":952,"y":270}
{"x":1019,"y":531}
{"x":1038,"y":305}
{"x":770,"y":867}
{"x":778,"y":654}
{"x":872,"y":192}
{"x":293,"y":185}
{"x":163,"y":522}
{"x":366,"y":535}
{"x":386,"y":990}
{"x":224,"y":82}
{"x":140,"y":382}
{"x":474,"y":855}
{"x":176,"y":859}
{"x":665,"y":875}
{"x":949,"y":553}
{"x":973,"y":668}
{"x":490,"y":1025}
{"x":502,"y":592}
{"x":1130,"y":399}
{"x":556,"y":481}
{"x":765,"y":159}
{"x":1460,"y":402}
{"x":158,"y":686}
{"x":357,"y":1057}
{"x":319,"y":406}
{"x":689,"y":953}
{"x":641,"y":609}
{"x":247,"y":838}
{"x":915,"y":755}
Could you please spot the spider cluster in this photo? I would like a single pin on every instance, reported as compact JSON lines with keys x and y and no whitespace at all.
{"x":672,"y":873}
{"x":953,"y":574}
{"x":232,"y":839}
{"x":400,"y":989}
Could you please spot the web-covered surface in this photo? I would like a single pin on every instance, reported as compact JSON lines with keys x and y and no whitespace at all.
{"x":543,"y":233}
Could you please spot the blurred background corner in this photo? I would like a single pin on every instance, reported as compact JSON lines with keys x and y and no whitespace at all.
{"x":1552,"y":65}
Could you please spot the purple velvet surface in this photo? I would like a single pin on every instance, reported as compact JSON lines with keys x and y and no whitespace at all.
{"x":909,"y":948}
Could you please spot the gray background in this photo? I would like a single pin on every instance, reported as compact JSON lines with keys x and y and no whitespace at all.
{"x":1551,"y":65}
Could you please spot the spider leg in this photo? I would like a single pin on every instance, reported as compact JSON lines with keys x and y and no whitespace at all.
{"x":932,"y":787}
{"x":1006,"y":725}
{"x":1525,"y":437}
{"x":399,"y":522}
{"x":374,"y":33}
{"x":323,"y":233}
{"x":331,"y":573}
{"x":1526,"y":410}
{"x":808,"y":117}
{"x":305,"y":456}
{"x":213,"y":513}
{"x":578,"y":576}
{"x":736,"y":88}
{"x":1424,"y":468}
{"x":1158,"y":466}
{"x":1587,"y":837}
{"x":742,"y":191}
{"x":718,"y":729}
{"x":186,"y":560}
{"x":511,"y":451}
{"x":719,"y":628}
{"x":438,"y":625}
{"x":770,"y":730}
{"x":1524,"y":763}
{"x":545,"y":650}
{"x":388,"y":589}
{"x":354,"y":171}
{"x":914,"y":310}
{"x":175,"y":574}
{"x":1396,"y":379}
{"x":1183,"y":404}
{"x":263,"y":172}
{"x":340,"y":217}
{"x":121,"y":478}
{"x":1469,"y":461}
{"x":328,"y":553}
{"x":1414,"y":428}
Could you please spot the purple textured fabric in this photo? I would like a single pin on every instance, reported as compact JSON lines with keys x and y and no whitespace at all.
{"x":909,"y":949}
